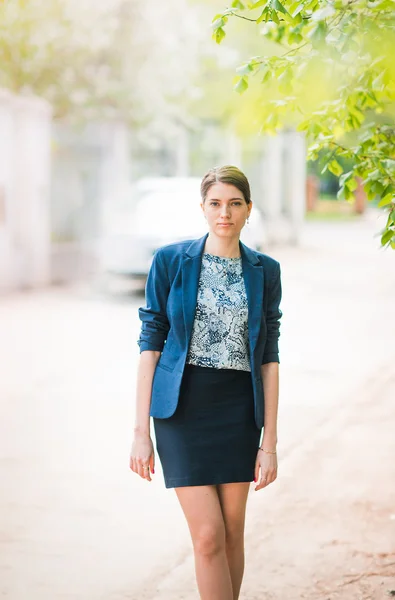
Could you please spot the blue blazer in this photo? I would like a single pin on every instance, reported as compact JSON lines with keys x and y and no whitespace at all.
{"x":167,"y":318}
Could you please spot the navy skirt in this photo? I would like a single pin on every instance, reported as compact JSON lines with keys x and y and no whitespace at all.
{"x":212,"y":437}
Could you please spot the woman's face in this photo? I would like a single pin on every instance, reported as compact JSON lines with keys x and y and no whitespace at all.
{"x":225,"y":209}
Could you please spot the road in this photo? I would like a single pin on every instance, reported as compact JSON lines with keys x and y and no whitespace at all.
{"x":76,"y":523}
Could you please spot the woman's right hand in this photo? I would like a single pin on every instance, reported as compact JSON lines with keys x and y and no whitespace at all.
{"x":142,"y":457}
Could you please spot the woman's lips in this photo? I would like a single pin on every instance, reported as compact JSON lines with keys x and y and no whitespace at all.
{"x":225,"y":224}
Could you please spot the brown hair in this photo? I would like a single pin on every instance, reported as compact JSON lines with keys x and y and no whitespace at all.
{"x":226,"y":174}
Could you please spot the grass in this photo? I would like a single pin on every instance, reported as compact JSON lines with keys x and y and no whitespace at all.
{"x":328,"y":208}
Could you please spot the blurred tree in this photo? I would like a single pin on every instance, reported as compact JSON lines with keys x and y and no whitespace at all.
{"x":334,"y":78}
{"x":117,"y":59}
{"x":53,"y":50}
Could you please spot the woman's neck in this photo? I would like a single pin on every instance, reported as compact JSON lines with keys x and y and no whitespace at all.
{"x":227,"y":248}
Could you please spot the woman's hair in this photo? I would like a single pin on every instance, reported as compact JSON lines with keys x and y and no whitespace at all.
{"x":226,"y":174}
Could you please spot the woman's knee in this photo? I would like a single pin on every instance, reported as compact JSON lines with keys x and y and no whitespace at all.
{"x":210,"y":540}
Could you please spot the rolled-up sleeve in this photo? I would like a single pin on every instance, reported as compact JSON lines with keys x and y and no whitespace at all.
{"x":155,"y":324}
{"x":273,"y":316}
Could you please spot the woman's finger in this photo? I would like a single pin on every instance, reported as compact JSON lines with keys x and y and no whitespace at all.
{"x":256,"y":470}
{"x":263,"y":480}
{"x":270,"y":475}
{"x":152,"y":463}
{"x":144,"y":469}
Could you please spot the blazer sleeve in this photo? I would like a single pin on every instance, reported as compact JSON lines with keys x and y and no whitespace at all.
{"x":155,"y":324}
{"x":273,"y":316}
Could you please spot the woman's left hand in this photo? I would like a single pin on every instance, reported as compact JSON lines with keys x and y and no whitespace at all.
{"x":267,"y":464}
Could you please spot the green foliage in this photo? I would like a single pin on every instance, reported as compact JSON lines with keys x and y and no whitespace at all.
{"x":333,"y":77}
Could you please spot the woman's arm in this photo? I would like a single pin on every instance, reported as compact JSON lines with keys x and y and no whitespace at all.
{"x":270,"y":361}
{"x":145,"y":374}
{"x":154,"y":329}
{"x":270,"y":376}
{"x":142,"y":452}
{"x":153,"y":334}
{"x":266,"y":462}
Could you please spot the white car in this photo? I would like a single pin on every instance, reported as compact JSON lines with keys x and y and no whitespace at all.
{"x":164,"y":210}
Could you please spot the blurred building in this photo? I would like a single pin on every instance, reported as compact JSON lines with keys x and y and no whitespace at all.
{"x":60,"y":184}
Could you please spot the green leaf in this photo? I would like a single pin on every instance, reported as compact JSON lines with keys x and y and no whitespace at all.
{"x":304,"y":125}
{"x":372,"y":175}
{"x":348,"y":194}
{"x":274,"y":17}
{"x":378,"y":82}
{"x":357,"y":115}
{"x":241,"y":85}
{"x":295,"y":38}
{"x":370,"y":194}
{"x":352,"y":184}
{"x":386,"y":200}
{"x":295,"y":8}
{"x":245,"y":69}
{"x":346,"y":176}
{"x":276,"y":4}
{"x":377,"y":188}
{"x":317,"y":34}
{"x":272,"y":121}
{"x":267,"y":74}
{"x":389,"y":163}
{"x":219,"y":35}
{"x":387,"y":236}
{"x":263,"y":15}
{"x":258,"y":4}
{"x":237,"y":4}
{"x":220,"y":22}
{"x":391,"y":219}
{"x":335,"y":168}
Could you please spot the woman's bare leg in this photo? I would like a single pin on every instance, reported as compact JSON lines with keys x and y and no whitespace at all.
{"x":233,"y":499}
{"x":203,"y":512}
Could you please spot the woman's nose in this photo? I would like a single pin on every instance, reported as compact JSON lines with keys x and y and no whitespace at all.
{"x":225,"y":212}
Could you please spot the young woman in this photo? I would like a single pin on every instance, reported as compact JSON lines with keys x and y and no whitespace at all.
{"x":208,"y":375}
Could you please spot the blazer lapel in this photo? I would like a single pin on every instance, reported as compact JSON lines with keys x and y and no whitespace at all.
{"x":190,"y":282}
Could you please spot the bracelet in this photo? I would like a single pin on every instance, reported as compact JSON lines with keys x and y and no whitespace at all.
{"x":268,"y":451}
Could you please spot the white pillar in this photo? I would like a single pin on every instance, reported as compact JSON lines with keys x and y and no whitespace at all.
{"x":31,"y":220}
{"x":284,"y":185}
{"x":115,"y":181}
{"x":273,"y":191}
{"x":24,"y":191}
{"x":7,"y":258}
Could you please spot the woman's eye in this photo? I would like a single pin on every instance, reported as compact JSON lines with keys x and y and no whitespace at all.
{"x":237,"y":203}
{"x":213,"y":203}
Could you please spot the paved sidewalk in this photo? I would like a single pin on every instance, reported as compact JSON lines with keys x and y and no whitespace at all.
{"x":75,"y":523}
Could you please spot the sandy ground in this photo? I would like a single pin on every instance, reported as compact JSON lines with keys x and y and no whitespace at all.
{"x":75,"y":523}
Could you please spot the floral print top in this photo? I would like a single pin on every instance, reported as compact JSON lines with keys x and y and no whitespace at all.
{"x":220,"y":330}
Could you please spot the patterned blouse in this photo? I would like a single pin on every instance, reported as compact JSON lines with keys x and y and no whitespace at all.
{"x":220,"y":331}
